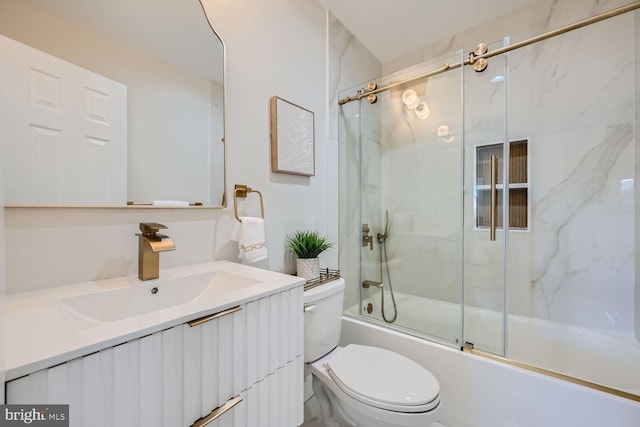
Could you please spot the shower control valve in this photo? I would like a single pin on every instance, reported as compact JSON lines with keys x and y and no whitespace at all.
{"x":366,"y":238}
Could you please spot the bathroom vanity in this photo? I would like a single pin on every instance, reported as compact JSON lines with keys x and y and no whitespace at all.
{"x":217,"y":342}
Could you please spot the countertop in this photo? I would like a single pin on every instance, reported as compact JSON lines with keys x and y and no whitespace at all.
{"x":40,"y":332}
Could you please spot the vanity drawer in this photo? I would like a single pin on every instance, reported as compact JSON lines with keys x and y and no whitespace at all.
{"x":213,"y":353}
{"x":278,"y":400}
{"x":172,"y":377}
{"x":274,"y":333}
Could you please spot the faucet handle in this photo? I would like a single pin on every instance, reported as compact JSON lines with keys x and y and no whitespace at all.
{"x":151,"y":227}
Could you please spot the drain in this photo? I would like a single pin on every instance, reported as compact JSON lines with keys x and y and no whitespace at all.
{"x":154,"y":290}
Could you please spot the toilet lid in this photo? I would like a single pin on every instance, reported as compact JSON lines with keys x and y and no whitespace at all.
{"x":384,"y":379}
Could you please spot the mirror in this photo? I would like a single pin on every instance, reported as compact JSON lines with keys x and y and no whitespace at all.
{"x":111,"y":102}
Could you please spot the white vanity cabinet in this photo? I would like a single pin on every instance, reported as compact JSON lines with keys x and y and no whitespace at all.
{"x":241,"y":367}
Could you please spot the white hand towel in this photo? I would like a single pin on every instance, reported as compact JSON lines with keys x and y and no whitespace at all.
{"x":250,"y":237}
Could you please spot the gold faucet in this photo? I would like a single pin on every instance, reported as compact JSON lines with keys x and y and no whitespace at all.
{"x":150,"y":244}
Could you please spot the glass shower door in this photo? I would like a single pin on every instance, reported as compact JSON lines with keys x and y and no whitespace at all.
{"x":411,"y":154}
{"x":551,"y":165}
{"x":487,"y":199}
{"x":571,"y":275}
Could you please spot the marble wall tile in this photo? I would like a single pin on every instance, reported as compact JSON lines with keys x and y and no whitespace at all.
{"x":579,"y":124}
{"x":349,"y":200}
{"x":570,"y":97}
{"x":350,"y":64}
{"x":578,"y":119}
{"x":537,"y":18}
{"x":580,"y":245}
{"x":421,"y":181}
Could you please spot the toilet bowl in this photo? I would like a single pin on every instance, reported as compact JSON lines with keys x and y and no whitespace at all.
{"x":361,"y":385}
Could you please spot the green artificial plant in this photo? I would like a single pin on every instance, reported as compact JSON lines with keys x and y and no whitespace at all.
{"x":308,"y":244}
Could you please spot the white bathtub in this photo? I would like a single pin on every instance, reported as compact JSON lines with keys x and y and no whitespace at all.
{"x":478,"y":392}
{"x":606,"y":359}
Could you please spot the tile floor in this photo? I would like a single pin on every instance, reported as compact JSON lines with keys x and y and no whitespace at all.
{"x":312,"y":413}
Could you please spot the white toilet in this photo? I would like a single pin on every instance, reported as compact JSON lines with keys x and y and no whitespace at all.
{"x":360,"y":385}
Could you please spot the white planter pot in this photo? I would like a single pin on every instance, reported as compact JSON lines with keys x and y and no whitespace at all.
{"x":308,"y":268}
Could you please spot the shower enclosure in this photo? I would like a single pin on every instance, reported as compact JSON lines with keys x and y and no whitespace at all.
{"x":495,"y":211}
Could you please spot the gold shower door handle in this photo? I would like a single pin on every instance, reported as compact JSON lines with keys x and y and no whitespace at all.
{"x":494,"y":197}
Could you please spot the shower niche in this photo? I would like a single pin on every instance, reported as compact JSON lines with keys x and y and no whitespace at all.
{"x":518,"y":185}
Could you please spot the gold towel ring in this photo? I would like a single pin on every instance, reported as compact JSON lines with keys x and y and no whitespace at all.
{"x":241,"y":190}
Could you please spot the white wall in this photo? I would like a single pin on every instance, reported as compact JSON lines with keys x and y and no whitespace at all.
{"x":279,"y":48}
{"x":636,"y":186}
{"x":273,"y":48}
{"x":2,"y":279}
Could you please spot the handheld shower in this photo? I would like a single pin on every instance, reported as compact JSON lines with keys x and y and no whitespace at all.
{"x":382,"y":240}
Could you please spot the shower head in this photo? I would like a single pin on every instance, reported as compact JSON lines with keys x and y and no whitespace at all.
{"x":386,"y":221}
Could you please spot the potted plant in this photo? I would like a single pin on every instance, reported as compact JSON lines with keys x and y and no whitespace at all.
{"x":308,"y":245}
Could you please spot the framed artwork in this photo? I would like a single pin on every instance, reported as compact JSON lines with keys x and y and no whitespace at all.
{"x":292,"y":138}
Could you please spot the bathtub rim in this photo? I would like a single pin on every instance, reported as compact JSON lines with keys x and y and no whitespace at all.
{"x":404,"y":330}
{"x":469,"y":350}
{"x":553,"y":374}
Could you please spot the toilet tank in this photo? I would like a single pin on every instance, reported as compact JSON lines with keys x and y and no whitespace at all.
{"x":322,"y":318}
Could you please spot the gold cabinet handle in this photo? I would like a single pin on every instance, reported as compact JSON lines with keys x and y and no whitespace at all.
{"x":214,"y":316}
{"x":216,"y":413}
{"x":494,"y":197}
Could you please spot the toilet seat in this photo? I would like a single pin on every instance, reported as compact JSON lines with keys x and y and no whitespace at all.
{"x":383,"y":379}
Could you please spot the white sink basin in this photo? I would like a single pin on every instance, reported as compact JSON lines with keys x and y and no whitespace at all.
{"x":154,"y":295}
